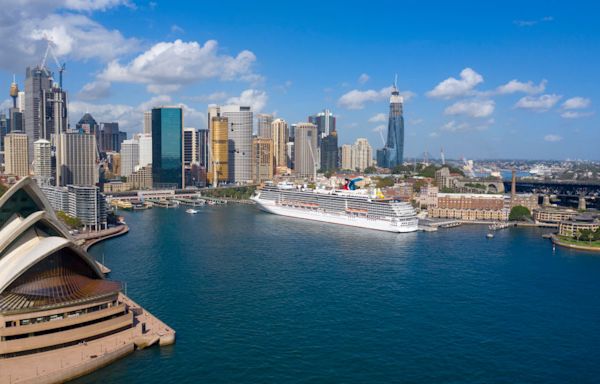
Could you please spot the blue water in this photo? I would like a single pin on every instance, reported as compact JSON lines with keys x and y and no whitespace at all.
{"x":258,"y":298}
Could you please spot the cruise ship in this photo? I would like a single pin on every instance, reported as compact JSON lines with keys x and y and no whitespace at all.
{"x":357,"y":208}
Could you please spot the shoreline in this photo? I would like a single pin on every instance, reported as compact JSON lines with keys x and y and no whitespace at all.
{"x":557,"y":241}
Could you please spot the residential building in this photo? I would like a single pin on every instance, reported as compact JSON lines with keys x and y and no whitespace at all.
{"x":553,"y":215}
{"x":346,"y":157}
{"x":262,"y":152}
{"x":76,"y":161}
{"x":141,"y":178}
{"x":362,"y":154}
{"x":444,"y":179}
{"x":240,"y":119}
{"x":306,"y":162}
{"x":263,"y":122}
{"x":167,"y":147}
{"x":88,"y":205}
{"x":148,"y":123}
{"x":577,"y":224}
{"x":130,"y":155}
{"x":279,"y":134}
{"x":42,"y":161}
{"x":16,"y":154}
{"x":393,"y":152}
{"x":190,"y":146}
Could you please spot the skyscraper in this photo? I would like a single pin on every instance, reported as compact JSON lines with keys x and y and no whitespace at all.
{"x":190,"y":146}
{"x":263,"y":122}
{"x":15,"y":114}
{"x":325,"y":122}
{"x":305,"y":157}
{"x":54,"y":112}
{"x":329,"y":152}
{"x":130,"y":155}
{"x":262,"y":164}
{"x":37,"y":80}
{"x":76,"y":159}
{"x":346,"y":155}
{"x":392,"y":153}
{"x":87,"y":124}
{"x":279,"y":131}
{"x":16,"y":157}
{"x":362,"y":154}
{"x":240,"y":142}
{"x":110,"y":137}
{"x":148,"y":122}
{"x":42,"y":161}
{"x":145,"y":143}
{"x":203,"y":141}
{"x":218,"y":170}
{"x":167,"y":147}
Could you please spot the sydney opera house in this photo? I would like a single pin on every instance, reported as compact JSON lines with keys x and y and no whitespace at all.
{"x":53,"y":296}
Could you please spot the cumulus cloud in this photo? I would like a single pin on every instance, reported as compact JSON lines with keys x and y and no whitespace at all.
{"x":178,"y":63}
{"x":378,"y":118}
{"x":130,"y":117}
{"x":552,"y":138}
{"x":363,"y":78}
{"x":576,"y":103}
{"x":356,"y":99}
{"x":95,"y":5}
{"x":515,"y":86}
{"x":94,"y":90}
{"x":26,"y":26}
{"x":473,"y":108}
{"x":452,"y":87}
{"x":250,"y":97}
{"x":463,"y":126}
{"x":538,"y":103}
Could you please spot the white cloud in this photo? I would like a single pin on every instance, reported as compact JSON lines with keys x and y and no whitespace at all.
{"x":454,"y":126}
{"x":531,"y":23}
{"x":378,"y":118}
{"x":250,"y":97}
{"x":538,"y":103}
{"x":552,"y":138}
{"x":575,"y":114}
{"x":417,"y":121}
{"x":356,"y":99}
{"x":452,"y":87}
{"x":94,"y":5}
{"x":380,"y":128}
{"x":576,"y":103}
{"x":176,"y":29}
{"x":363,"y":78}
{"x":434,"y":135}
{"x":179,"y":63}
{"x":473,"y":108}
{"x":94,"y":90}
{"x":515,"y":85}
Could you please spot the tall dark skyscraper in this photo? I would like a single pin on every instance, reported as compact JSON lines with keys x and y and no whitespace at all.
{"x":37,"y":80}
{"x":325,"y":122}
{"x":329,"y":152}
{"x":393,"y":153}
{"x":167,"y":147}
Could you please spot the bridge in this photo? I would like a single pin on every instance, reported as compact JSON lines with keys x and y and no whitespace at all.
{"x":566,"y":192}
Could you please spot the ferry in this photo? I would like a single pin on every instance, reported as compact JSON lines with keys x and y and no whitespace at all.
{"x":191,"y":211}
{"x":358,"y":208}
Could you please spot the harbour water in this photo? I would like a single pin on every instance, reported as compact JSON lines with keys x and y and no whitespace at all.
{"x":259,"y":298}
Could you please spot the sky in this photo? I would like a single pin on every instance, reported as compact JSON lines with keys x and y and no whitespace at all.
{"x":480,"y":79}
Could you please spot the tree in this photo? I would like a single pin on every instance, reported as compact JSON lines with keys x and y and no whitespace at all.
{"x":519,"y":213}
{"x":385,"y":182}
{"x":370,"y":169}
{"x":70,"y":221}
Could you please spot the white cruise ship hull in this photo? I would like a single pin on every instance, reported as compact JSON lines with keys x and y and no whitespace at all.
{"x":341,"y":219}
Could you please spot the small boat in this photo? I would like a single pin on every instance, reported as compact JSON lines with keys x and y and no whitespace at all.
{"x":490,"y":235}
{"x":192,"y":211}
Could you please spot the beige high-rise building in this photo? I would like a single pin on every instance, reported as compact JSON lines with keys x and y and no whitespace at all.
{"x":362,"y":154}
{"x":346,"y":161}
{"x":42,"y":161}
{"x":306,"y":159}
{"x":148,"y":123}
{"x":263,"y":124}
{"x":279,"y":134}
{"x":76,"y":159}
{"x":16,"y":154}
{"x":219,"y":151}
{"x":262,"y":159}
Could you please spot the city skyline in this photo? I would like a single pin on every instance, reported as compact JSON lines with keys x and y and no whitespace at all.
{"x":482,"y":86}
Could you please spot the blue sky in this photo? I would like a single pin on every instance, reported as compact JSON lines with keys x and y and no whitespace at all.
{"x":481,"y":79}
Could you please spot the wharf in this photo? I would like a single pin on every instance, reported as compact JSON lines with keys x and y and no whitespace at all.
{"x":190,"y":202}
{"x":64,"y":364}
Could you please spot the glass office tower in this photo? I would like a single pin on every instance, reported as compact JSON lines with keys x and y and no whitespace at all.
{"x":167,"y":147}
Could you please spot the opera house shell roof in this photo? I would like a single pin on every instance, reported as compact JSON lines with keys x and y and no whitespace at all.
{"x":40,"y":266}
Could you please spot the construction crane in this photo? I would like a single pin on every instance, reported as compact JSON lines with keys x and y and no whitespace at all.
{"x":61,"y":67}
